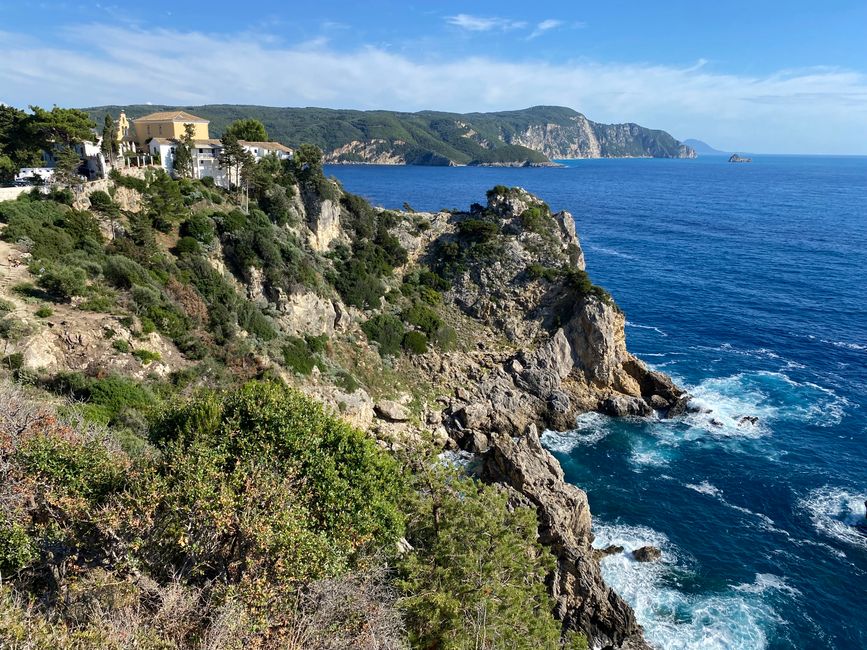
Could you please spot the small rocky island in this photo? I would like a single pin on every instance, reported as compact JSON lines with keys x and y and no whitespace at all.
{"x":736,"y":158}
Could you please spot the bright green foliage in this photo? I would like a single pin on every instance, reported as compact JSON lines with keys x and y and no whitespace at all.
{"x":387,"y":331}
{"x":16,"y":549}
{"x":107,"y":398}
{"x":306,"y":490}
{"x":250,"y":130}
{"x":44,"y":312}
{"x":423,"y":317}
{"x":62,"y":282}
{"x":538,"y":219}
{"x":298,"y":356}
{"x":476,"y":578}
{"x":415,"y":342}
{"x":82,"y":469}
{"x":120,"y":345}
{"x":200,"y":227}
{"x":146,"y":356}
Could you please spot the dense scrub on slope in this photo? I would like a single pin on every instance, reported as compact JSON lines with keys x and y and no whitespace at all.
{"x":208,"y":504}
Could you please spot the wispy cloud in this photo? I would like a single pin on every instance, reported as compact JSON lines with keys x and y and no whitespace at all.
{"x":484,"y":24}
{"x":807,"y":110}
{"x":545,"y":26}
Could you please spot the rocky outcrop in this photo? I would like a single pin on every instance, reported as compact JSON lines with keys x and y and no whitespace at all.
{"x":735,"y":158}
{"x":583,"y":601}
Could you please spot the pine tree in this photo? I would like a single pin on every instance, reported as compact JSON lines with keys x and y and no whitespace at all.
{"x":183,"y":161}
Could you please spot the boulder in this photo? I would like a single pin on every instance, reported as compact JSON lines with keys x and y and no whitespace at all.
{"x":647,"y":554}
{"x":391,"y":411}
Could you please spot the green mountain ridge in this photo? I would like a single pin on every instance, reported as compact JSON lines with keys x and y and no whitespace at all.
{"x":530,"y":136}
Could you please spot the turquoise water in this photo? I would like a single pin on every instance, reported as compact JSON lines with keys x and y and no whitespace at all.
{"x":748,"y":284}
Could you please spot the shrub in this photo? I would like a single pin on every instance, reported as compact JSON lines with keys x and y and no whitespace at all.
{"x":200,"y":227}
{"x":101,"y":201}
{"x":262,"y":487}
{"x":387,"y":331}
{"x":187,"y":246}
{"x":446,"y":338}
{"x":479,"y":229}
{"x":6,"y":306}
{"x":423,"y":317}
{"x":537,"y":271}
{"x":78,"y":468}
{"x":44,"y":312}
{"x":297,"y":355}
{"x":465,"y":533}
{"x":415,"y":342}
{"x":120,"y":345}
{"x":146,"y":356}
{"x":62,"y":282}
{"x":17,"y":549}
{"x":110,"y":396}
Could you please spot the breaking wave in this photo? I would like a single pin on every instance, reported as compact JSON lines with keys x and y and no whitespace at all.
{"x":737,"y":618}
{"x":838,"y":514}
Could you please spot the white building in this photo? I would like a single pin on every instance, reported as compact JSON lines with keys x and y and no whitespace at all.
{"x":206,"y":156}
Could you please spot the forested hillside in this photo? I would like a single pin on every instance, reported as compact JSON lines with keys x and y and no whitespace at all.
{"x":533,"y":135}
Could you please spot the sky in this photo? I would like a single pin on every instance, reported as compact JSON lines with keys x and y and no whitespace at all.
{"x":758,"y":76}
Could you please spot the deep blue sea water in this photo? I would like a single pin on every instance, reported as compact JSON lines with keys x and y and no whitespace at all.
{"x":748,"y":284}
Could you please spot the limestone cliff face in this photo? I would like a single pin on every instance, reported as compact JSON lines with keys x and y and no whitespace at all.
{"x":582,"y":138}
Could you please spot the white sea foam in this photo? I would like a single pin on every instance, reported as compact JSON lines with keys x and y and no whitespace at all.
{"x":646,"y":327}
{"x":705,"y":488}
{"x":458,"y":458}
{"x":737,"y":618}
{"x":847,"y":345}
{"x":609,"y":251}
{"x":764,"y":522}
{"x":590,"y":428}
{"x":839,"y":514}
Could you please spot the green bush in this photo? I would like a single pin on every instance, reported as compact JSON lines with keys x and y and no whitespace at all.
{"x":44,"y":312}
{"x":17,"y":549}
{"x":414,"y":342}
{"x":146,"y":356}
{"x":200,"y":227}
{"x":83,"y":469}
{"x":387,"y":331}
{"x":446,"y":338}
{"x":479,"y":230}
{"x":187,"y":246}
{"x":537,"y":271}
{"x":264,"y":487}
{"x":423,"y":317}
{"x":298,"y":356}
{"x":476,"y":578}
{"x":62,"y":282}
{"x":121,"y":346}
{"x":109,"y":396}
{"x":6,"y":306}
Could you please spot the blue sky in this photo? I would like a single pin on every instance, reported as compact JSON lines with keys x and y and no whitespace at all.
{"x":781,"y":77}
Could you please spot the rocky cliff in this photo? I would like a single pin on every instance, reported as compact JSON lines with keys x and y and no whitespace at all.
{"x":534,"y":342}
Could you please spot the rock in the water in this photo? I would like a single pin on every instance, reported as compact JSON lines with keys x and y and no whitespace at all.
{"x":647,"y":554}
{"x":613,"y":549}
{"x":391,"y":411}
{"x":624,"y":405}
{"x":748,"y":419}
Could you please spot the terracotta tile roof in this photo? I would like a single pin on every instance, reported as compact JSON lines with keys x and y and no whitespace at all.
{"x":170,"y":116}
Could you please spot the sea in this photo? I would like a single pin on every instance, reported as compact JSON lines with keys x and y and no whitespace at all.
{"x":747,"y":283}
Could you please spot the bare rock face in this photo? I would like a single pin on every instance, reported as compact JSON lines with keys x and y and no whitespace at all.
{"x":583,"y":600}
{"x":324,"y":225}
{"x":306,"y":313}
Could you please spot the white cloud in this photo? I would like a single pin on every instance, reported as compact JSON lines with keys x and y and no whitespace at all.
{"x":819,"y":110}
{"x":484,"y":24}
{"x":544,"y":26}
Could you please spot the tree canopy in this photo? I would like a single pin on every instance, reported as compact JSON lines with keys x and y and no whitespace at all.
{"x":251,"y":130}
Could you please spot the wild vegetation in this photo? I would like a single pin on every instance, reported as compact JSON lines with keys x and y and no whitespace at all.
{"x":213,"y":505}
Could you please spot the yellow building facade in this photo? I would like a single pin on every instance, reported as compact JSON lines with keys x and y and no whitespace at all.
{"x":169,"y":125}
